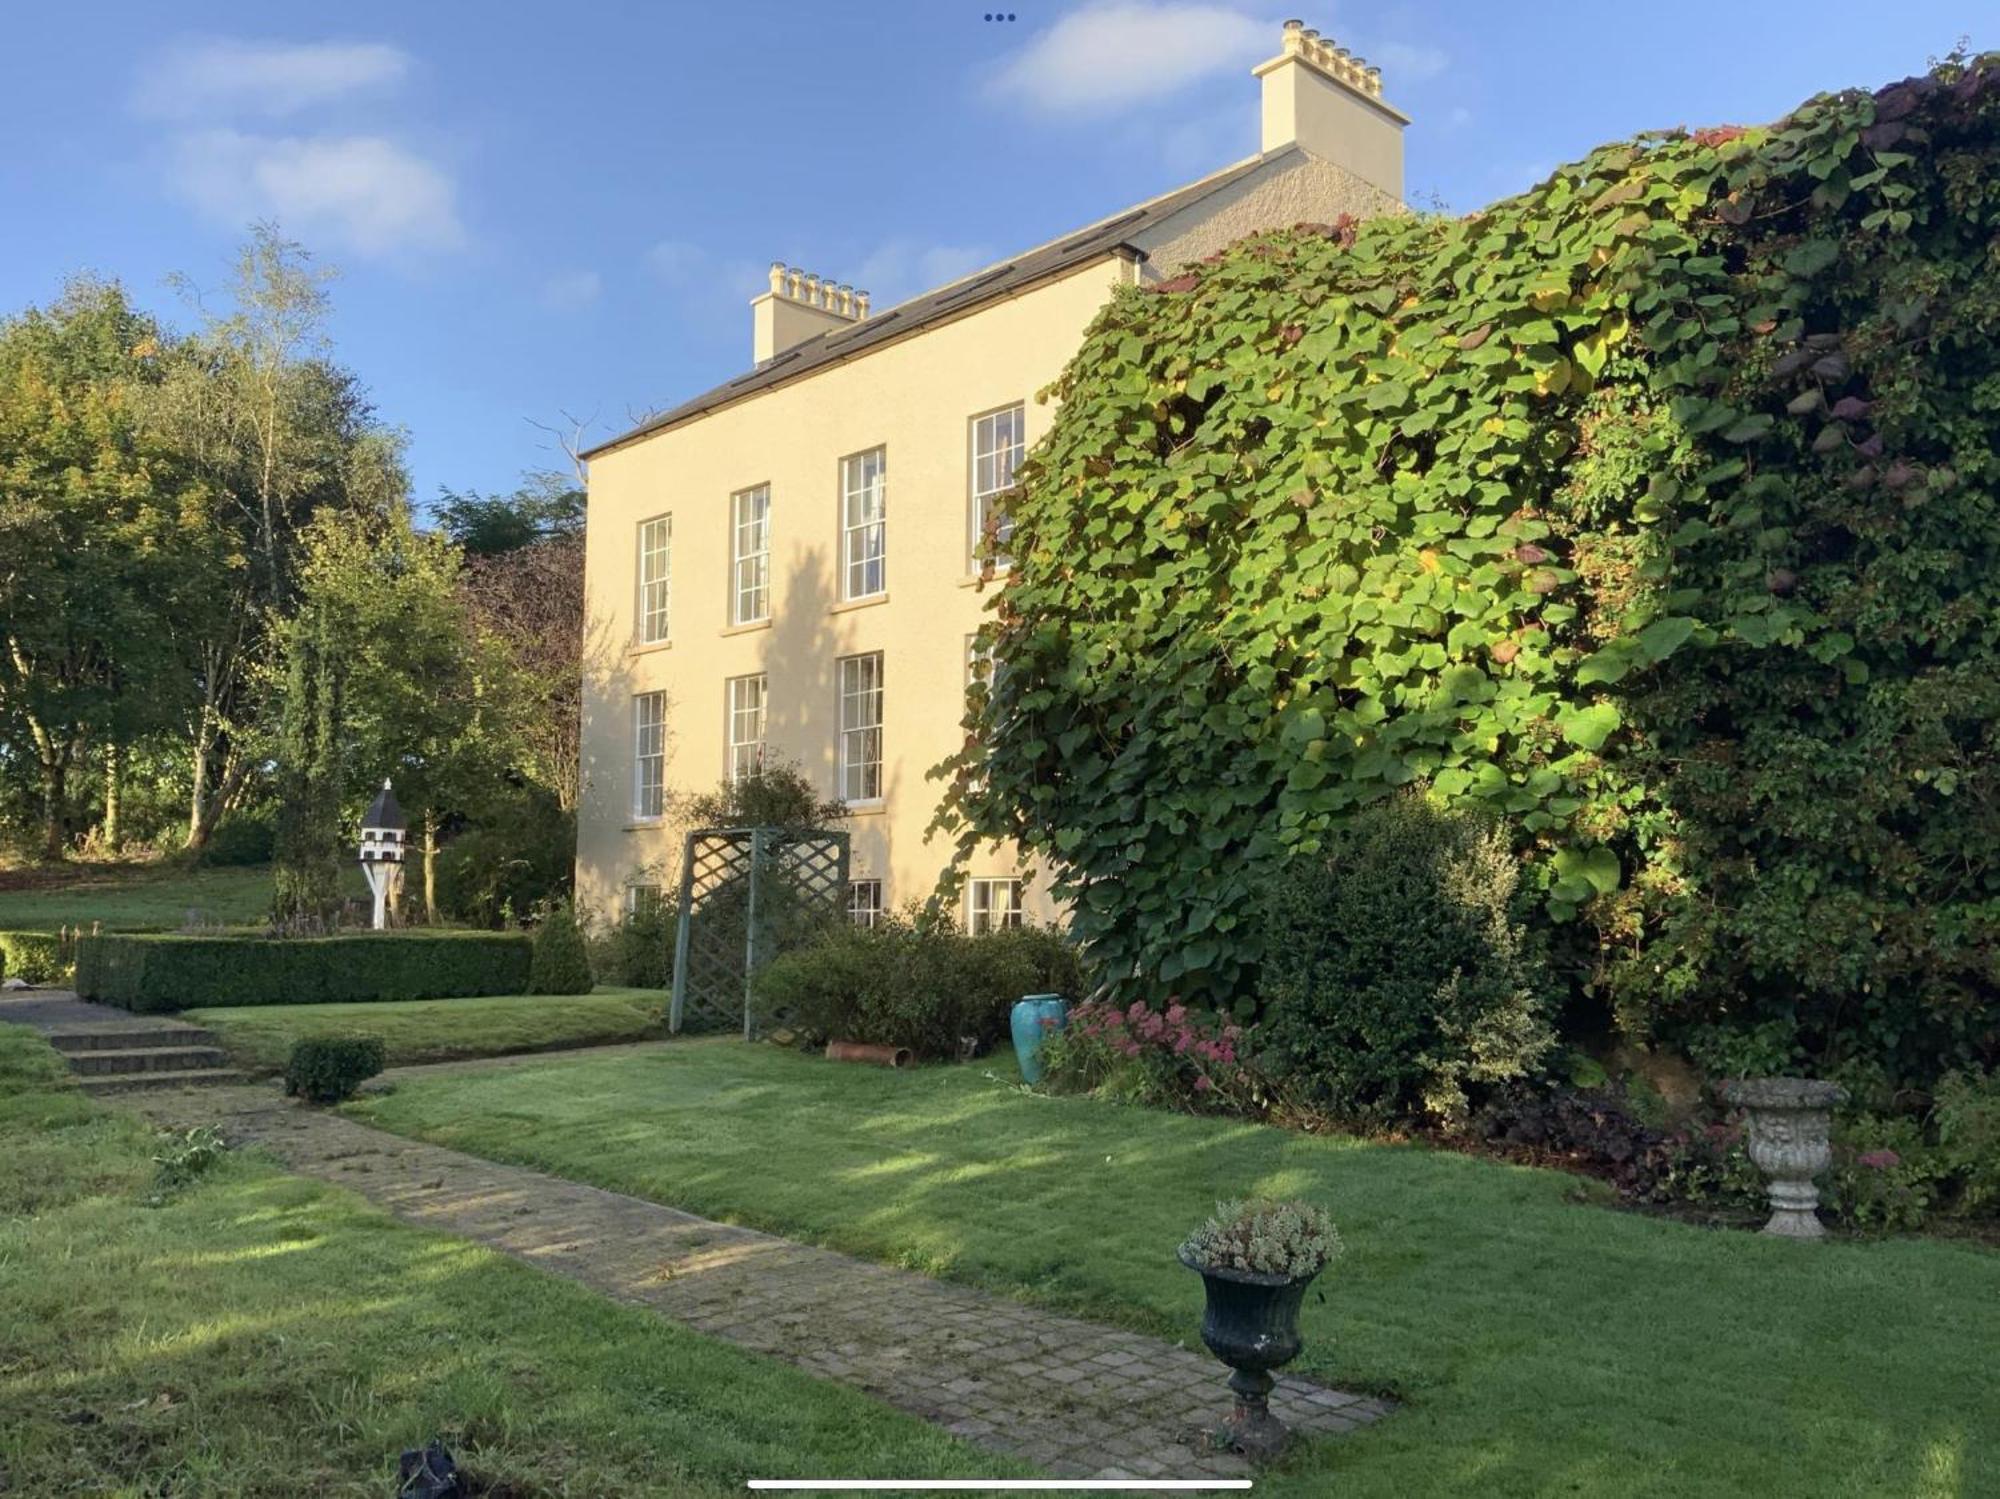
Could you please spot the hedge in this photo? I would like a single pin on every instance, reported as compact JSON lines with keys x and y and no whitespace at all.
{"x":166,"y":971}
{"x":35,"y":956}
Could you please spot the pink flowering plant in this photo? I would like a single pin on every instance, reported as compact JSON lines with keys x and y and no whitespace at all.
{"x":1174,"y":1057}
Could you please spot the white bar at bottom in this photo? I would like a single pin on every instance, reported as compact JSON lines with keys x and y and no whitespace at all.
{"x":1008,"y":1485}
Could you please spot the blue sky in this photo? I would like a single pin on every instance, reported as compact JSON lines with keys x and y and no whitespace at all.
{"x":539,"y":209}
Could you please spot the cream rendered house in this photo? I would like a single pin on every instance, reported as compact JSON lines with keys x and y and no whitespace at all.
{"x":784,"y":566}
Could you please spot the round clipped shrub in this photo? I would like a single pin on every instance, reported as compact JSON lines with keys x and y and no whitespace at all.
{"x":1398,"y":973}
{"x":328,"y":1069}
{"x":560,"y":963}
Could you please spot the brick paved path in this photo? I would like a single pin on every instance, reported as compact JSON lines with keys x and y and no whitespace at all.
{"x":1075,"y":1398}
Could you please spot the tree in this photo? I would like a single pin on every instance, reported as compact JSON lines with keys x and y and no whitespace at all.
{"x":431,"y":702}
{"x":311,"y":757}
{"x":94,"y":518}
{"x":277,"y":433}
{"x":544,"y":506}
{"x":530,"y":601}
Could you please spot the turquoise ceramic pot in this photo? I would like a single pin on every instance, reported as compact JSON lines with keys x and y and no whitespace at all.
{"x":1028,"y":1030}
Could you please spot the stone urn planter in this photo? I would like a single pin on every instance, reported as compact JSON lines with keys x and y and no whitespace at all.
{"x":1789,"y":1122}
{"x":1255,"y":1261}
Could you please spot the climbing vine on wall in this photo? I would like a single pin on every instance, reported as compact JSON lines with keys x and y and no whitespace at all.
{"x":1653,"y":509}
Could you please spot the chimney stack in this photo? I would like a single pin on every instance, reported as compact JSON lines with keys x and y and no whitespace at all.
{"x":800,"y":306}
{"x":1328,"y":101}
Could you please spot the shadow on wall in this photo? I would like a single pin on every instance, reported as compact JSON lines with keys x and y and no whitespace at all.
{"x":802,"y":652}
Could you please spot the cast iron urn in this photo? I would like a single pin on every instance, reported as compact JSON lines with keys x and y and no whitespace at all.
{"x":1252,"y":1324}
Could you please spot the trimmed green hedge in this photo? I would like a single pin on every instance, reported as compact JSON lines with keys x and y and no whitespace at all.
{"x":166,"y":971}
{"x":34,"y":956}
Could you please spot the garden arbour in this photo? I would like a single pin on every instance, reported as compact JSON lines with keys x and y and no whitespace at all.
{"x":1651,"y":510}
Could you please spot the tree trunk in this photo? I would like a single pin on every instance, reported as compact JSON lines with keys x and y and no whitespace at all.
{"x":53,"y":788}
{"x":199,"y":822}
{"x":430,"y":870}
{"x":114,"y":794}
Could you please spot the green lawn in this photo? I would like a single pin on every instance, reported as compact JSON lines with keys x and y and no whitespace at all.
{"x":141,"y":895}
{"x":260,"y":1334}
{"x":1543,"y":1345}
{"x":260,"y":1037}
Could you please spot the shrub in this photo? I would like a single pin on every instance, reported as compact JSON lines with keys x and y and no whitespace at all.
{"x":240,"y":839}
{"x":559,"y":964}
{"x":929,"y":987}
{"x":1397,"y":973}
{"x":1898,"y":1172}
{"x":168,"y":971}
{"x":38,"y":957}
{"x":327,"y":1069}
{"x":1295,"y":1239}
{"x":639,"y":951}
{"x":1173,"y":1058}
{"x":1652,"y":509}
{"x":492,"y":875}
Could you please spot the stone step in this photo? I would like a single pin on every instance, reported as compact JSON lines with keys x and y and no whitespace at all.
{"x":132,"y":1082}
{"x":151,"y":1059}
{"x":128,"y":1038}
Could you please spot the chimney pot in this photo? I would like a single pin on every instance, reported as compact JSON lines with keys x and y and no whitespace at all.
{"x":1327,"y":99}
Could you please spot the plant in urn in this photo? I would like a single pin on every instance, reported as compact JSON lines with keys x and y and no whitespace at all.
{"x":1256,"y":1260}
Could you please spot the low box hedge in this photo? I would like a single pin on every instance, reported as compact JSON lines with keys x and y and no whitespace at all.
{"x":166,"y":971}
{"x":37,"y":957}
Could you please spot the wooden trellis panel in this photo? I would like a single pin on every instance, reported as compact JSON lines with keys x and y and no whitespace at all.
{"x":747,"y":894}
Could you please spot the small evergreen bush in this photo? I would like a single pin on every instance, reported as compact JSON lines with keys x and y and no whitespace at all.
{"x":926,"y":986}
{"x":328,"y":1069}
{"x":1397,"y":973}
{"x":561,"y":964}
{"x":639,"y":951}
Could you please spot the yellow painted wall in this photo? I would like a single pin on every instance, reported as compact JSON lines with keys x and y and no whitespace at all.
{"x":917,"y":398}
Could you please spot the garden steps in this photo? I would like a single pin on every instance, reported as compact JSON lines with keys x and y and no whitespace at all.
{"x":112,"y":1051}
{"x":134,"y":1082}
{"x":104,"y":1062}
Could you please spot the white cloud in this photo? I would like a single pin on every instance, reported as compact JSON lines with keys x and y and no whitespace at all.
{"x":1110,"y":56}
{"x":225,"y":76}
{"x":898,"y":269}
{"x":364,"y":192}
{"x":571,"y":291}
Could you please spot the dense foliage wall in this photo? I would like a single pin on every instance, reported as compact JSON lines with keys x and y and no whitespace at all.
{"x":1653,"y":509}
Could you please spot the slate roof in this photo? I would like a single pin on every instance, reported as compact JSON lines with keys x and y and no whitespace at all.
{"x":383,"y":812}
{"x":1106,"y":237}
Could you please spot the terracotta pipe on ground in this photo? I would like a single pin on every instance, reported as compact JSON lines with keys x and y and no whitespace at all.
{"x":861,"y":1051}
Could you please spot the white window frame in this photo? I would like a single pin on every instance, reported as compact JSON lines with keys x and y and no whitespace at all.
{"x":864,"y":902}
{"x":638,"y":896}
{"x":649,"y":756}
{"x":745,"y":751}
{"x":864,"y":524}
{"x":858,"y":681}
{"x":750,"y":555}
{"x":982,"y":914}
{"x":996,"y":453}
{"x":656,"y":580}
